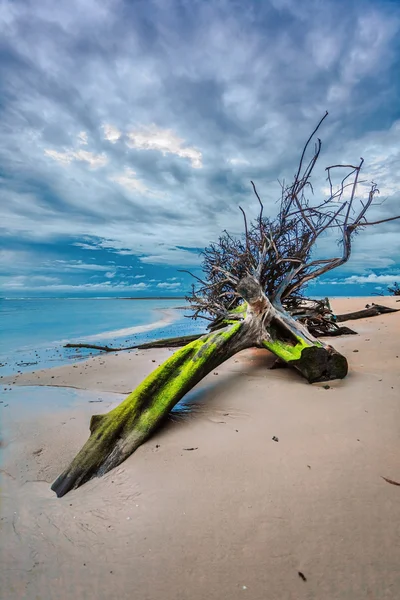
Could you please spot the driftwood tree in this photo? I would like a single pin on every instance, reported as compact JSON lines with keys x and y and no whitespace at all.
{"x":250,"y":294}
{"x":395,"y":289}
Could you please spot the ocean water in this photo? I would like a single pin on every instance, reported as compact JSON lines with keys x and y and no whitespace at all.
{"x":33,"y":331}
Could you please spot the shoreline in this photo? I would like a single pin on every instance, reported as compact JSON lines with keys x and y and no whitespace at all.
{"x":240,"y":514}
{"x":169,"y":316}
{"x":114,"y":369}
{"x":164,"y":322}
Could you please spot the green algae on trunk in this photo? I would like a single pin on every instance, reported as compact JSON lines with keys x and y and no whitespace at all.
{"x":313,"y":359}
{"x":115,"y":435}
{"x":315,"y":362}
{"x":288,"y":339}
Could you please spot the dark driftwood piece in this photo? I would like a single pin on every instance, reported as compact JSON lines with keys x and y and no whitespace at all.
{"x":384,"y":309}
{"x":97,"y":347}
{"x":339,"y":331}
{"x":370,"y":311}
{"x":250,"y":290}
{"x":394,"y":290}
{"x":174,"y":342}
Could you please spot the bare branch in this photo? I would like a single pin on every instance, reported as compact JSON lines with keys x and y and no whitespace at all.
{"x":278,"y":252}
{"x":259,"y":199}
{"x":307,"y":143}
{"x":377,"y":222}
{"x":228,"y":275}
{"x":192,"y":274}
{"x":245,"y":227}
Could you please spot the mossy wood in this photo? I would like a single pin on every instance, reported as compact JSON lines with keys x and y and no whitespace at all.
{"x":258,"y":323}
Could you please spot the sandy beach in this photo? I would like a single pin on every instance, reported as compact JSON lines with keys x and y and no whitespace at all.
{"x":211,"y":506}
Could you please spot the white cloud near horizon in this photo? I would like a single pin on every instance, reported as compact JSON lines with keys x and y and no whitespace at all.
{"x":168,"y":286}
{"x":25,"y":283}
{"x":371,"y":278}
{"x":72,"y":265}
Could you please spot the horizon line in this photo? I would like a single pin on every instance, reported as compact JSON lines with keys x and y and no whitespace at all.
{"x":92,"y":297}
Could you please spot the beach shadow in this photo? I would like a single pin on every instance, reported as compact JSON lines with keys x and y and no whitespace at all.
{"x":202,"y":399}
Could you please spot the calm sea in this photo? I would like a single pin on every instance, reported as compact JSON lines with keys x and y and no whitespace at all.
{"x":34,"y":331}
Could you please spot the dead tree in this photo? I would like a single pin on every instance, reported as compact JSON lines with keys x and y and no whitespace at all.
{"x":395,"y":290}
{"x":249,"y":293}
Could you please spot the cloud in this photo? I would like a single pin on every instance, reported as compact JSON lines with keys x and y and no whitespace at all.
{"x":29,"y":282}
{"x":238,"y":161}
{"x":371,"y":278}
{"x":138,"y":286}
{"x":83,"y":138}
{"x":128,"y":180}
{"x":86,"y":246}
{"x":43,"y":279}
{"x":135,"y":131}
{"x":95,"y":160}
{"x":165,"y":141}
{"x":19,"y":259}
{"x":112,"y":134}
{"x":52,"y":285}
{"x":168,"y":286}
{"x":73,"y":265}
{"x":171,"y":256}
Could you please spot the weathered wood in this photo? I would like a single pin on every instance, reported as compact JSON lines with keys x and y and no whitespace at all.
{"x":289,"y":340}
{"x":338,"y":331}
{"x":174,"y":342}
{"x":313,"y":359}
{"x":115,"y":435}
{"x":97,"y":347}
{"x":359,"y":314}
{"x":370,"y":311}
{"x":384,"y":309}
{"x":320,"y":364}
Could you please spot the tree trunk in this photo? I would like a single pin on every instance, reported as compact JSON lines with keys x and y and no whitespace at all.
{"x":174,"y":342}
{"x":315,"y":362}
{"x":338,"y":331}
{"x":294,"y":345}
{"x":289,"y":340}
{"x":369,"y":311}
{"x":115,"y":435}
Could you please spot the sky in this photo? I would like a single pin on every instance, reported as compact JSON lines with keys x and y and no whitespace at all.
{"x":130,"y":131}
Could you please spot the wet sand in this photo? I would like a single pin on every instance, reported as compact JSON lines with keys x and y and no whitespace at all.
{"x":240,"y":515}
